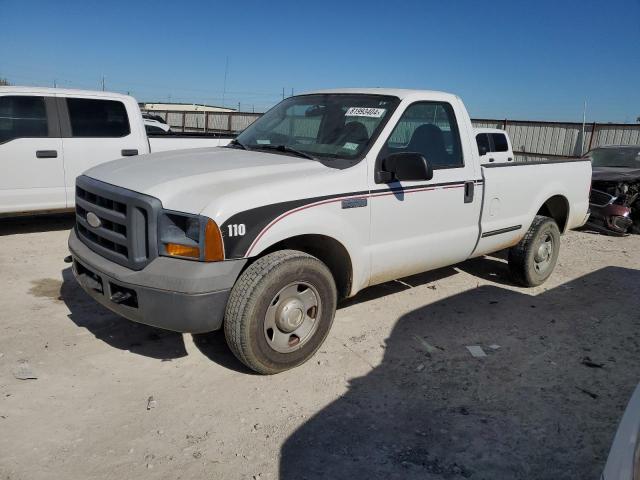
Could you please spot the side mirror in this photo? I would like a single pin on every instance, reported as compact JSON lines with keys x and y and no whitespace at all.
{"x":404,"y":166}
{"x":482,"y":149}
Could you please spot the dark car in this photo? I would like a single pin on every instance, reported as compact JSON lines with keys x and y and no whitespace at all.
{"x":615,"y":189}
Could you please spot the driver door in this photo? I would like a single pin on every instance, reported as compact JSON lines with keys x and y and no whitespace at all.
{"x":422,"y":225}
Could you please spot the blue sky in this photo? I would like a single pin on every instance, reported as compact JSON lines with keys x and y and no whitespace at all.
{"x":522,"y":60}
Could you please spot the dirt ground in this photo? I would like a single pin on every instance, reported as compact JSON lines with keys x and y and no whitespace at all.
{"x":393,"y":393}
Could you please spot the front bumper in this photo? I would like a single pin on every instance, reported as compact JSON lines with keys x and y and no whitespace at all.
{"x":613,"y":219}
{"x":169,"y":293}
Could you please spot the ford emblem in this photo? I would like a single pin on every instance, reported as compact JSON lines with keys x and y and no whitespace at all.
{"x":93,"y":220}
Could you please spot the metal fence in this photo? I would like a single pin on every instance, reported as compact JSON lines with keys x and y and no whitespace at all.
{"x":530,"y":139}
{"x":228,"y":122}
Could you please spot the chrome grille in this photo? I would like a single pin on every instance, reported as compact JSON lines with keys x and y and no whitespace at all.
{"x":126,"y":231}
{"x":600,"y":198}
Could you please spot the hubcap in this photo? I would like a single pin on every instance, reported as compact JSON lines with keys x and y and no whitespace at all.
{"x":291,"y":318}
{"x":290,"y":315}
{"x":544,"y":254}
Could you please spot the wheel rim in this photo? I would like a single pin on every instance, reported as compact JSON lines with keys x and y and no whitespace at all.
{"x":544,"y":254}
{"x":292,"y":317}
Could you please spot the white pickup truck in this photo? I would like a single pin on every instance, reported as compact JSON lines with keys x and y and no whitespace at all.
{"x":49,"y":136}
{"x":494,"y":145}
{"x":324,"y":195}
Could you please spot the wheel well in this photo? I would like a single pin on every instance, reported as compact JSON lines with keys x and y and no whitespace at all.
{"x":328,"y":250}
{"x":557,"y":207}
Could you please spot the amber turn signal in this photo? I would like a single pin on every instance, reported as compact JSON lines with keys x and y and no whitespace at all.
{"x":213,"y":246}
{"x":177,"y":250}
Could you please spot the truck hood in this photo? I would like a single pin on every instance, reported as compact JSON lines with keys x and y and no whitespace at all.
{"x":616,"y":174}
{"x":186,"y":180}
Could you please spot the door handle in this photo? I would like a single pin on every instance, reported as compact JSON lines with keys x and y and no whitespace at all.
{"x":129,"y":153}
{"x":46,"y":153}
{"x":469,"y":188}
{"x":491,"y":160}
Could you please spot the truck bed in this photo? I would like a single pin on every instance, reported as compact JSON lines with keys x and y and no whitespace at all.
{"x":514,"y":192}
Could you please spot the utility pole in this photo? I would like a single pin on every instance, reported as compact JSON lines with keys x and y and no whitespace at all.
{"x":283,"y":93}
{"x":224,"y":86}
{"x":292,"y":91}
{"x":103,"y":82}
{"x":238,"y":106}
{"x":54,"y":83}
{"x":584,"y":121}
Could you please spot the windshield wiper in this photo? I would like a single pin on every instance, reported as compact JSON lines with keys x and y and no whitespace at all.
{"x":236,"y":144}
{"x":285,"y":149}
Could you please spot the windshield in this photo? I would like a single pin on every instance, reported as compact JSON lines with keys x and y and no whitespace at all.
{"x":628,"y":157}
{"x":323,"y":125}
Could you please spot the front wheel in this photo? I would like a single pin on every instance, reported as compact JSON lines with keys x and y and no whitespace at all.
{"x":533,"y":259}
{"x":280,"y":311}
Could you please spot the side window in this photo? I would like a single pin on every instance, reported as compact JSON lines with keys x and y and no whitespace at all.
{"x":22,"y":117}
{"x":482,"y":139}
{"x":98,"y":118}
{"x":499,"y":142}
{"x":428,"y":128}
{"x":153,"y":129}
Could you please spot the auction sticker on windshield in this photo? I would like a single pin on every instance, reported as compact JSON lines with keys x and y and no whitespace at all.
{"x":365,"y":112}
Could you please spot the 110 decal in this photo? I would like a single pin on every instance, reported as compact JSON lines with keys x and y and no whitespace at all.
{"x":237,"y":230}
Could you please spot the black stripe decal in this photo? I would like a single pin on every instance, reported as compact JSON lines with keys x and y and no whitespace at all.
{"x":535,"y":162}
{"x":501,"y":230}
{"x":255,"y":220}
{"x":400,"y":188}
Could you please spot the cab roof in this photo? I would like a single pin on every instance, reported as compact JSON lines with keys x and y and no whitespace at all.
{"x":60,"y":91}
{"x":401,"y":93}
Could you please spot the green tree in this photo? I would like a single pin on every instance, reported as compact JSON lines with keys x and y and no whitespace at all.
{"x":4,"y":82}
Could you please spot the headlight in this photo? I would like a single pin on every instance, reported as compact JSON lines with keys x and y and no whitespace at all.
{"x":188,"y":236}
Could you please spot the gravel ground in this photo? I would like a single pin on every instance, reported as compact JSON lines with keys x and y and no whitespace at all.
{"x":393,"y":393}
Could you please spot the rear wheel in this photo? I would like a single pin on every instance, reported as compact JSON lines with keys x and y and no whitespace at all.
{"x":280,"y":311}
{"x":533,"y":259}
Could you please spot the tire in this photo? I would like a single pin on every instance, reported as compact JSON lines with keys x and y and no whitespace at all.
{"x":280,"y":287}
{"x":531,"y":263}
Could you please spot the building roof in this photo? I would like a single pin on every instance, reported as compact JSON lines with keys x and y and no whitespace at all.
{"x":186,"y":104}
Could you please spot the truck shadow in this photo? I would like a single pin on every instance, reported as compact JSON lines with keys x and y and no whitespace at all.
{"x":157,"y":343}
{"x":214,"y":346}
{"x":116,"y":331}
{"x":38,"y":223}
{"x":493,"y":268}
{"x":396,"y":286}
{"x":543,"y":405}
